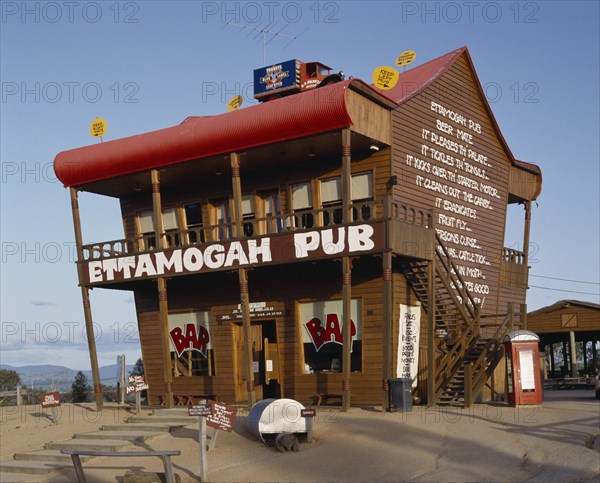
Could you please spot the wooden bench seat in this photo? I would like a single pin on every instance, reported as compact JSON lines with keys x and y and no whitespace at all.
{"x":164,"y":455}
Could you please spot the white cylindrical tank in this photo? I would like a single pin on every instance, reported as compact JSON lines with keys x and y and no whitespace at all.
{"x":274,"y":416}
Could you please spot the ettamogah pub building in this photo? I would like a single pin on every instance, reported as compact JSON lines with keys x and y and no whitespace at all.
{"x":319,"y":243}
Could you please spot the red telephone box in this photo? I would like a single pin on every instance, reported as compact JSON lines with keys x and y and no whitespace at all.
{"x":523,"y":368}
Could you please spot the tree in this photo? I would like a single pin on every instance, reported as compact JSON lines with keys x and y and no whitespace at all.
{"x":80,"y":389}
{"x":138,"y":368}
{"x":9,"y":380}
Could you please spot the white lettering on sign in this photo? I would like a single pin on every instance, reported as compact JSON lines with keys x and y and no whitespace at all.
{"x":452,"y":161}
{"x":217,"y":256}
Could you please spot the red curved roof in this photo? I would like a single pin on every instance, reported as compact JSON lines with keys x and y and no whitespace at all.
{"x":312,"y":112}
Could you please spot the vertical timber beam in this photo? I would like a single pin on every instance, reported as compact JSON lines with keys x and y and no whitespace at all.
{"x":163,"y":307}
{"x":85,"y":295}
{"x":243,"y":278}
{"x":573,"y":353}
{"x":346,"y":269}
{"x":526,"y":235}
{"x":388,"y":304}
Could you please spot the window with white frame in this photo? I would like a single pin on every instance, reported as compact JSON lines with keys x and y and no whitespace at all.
{"x":147,"y":232}
{"x":248,"y":213}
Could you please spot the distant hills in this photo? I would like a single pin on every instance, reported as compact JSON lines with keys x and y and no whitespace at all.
{"x":43,"y":376}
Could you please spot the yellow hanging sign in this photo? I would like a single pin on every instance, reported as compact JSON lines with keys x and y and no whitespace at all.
{"x":406,"y":58}
{"x":98,"y":127}
{"x":385,"y":77}
{"x":234,"y":103}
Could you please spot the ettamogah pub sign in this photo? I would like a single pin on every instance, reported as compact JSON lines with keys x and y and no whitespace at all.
{"x":323,"y":243}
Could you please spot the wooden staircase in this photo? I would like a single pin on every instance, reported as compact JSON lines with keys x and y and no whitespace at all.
{"x":469,"y":352}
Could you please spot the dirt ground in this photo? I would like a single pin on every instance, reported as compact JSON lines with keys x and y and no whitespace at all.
{"x":557,"y":441}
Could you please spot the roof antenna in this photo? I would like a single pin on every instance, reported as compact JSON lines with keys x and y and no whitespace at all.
{"x":265,"y":32}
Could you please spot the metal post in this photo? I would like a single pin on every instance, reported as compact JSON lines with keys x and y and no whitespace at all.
{"x":163,"y":308}
{"x":243,"y":277}
{"x":85,"y":296}
{"x":431,"y":303}
{"x":388,"y":303}
{"x":346,"y":271}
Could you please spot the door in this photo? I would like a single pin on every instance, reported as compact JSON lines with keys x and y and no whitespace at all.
{"x":265,"y":361}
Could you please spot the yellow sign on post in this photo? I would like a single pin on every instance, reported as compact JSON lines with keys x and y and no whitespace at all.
{"x":234,"y":103}
{"x":406,"y":58}
{"x":385,"y":77}
{"x":98,"y":127}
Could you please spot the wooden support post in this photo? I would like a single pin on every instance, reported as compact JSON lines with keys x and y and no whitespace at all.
{"x":431,"y":303}
{"x":594,"y":358}
{"x":565,"y":359}
{"x":346,"y":270}
{"x":511,"y":316}
{"x":523,"y":317}
{"x":468,"y":384}
{"x":243,"y":278}
{"x":573,"y":353}
{"x":527,"y":229}
{"x":203,"y":450}
{"x":85,"y":296}
{"x":388,"y":304}
{"x":163,"y":308}
{"x":552,"y":366}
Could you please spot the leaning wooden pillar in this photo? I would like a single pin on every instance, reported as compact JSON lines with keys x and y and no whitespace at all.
{"x":346,"y":271}
{"x":552,"y":366}
{"x":85,"y":296}
{"x":243,"y":278}
{"x":163,"y":307}
{"x":526,"y":234}
{"x":388,"y":304}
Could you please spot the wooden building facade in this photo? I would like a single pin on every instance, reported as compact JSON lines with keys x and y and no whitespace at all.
{"x":563,"y":326}
{"x":256,"y":241}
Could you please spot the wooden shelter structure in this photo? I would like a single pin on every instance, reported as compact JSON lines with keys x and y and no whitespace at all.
{"x":273,"y":251}
{"x":561,"y":327}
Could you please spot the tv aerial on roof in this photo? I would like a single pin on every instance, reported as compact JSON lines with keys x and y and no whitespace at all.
{"x":268,"y":31}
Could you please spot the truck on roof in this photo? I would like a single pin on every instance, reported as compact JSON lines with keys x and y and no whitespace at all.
{"x":291,"y":77}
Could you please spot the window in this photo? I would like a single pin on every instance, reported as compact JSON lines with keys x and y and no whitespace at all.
{"x":193,"y":221}
{"x":302,"y":205}
{"x":146,"y":230}
{"x":322,"y":336}
{"x":221,"y":220}
{"x":190,"y":338}
{"x":170,"y":226}
{"x":248,"y":214}
{"x":271,"y":212}
{"x":362,"y":192}
{"x":331,"y":199}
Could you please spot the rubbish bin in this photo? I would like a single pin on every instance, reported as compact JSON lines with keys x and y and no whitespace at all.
{"x":401,"y":394}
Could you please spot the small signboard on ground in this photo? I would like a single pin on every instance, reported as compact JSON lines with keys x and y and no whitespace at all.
{"x":222,"y":417}
{"x":50,"y":399}
{"x":136,"y":384}
{"x":199,"y":410}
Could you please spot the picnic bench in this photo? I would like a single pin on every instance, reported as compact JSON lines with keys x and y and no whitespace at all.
{"x":320,"y":398}
{"x":164,"y":455}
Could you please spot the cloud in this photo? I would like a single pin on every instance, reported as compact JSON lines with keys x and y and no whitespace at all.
{"x":43,"y":303}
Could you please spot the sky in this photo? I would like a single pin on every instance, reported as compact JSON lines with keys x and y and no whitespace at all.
{"x":143,"y":66}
